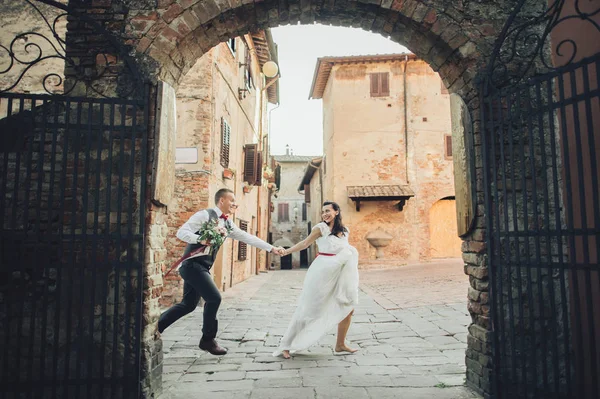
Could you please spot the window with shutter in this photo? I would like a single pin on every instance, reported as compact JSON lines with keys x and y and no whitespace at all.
{"x":380,"y":84}
{"x":384,"y":81}
{"x":248,"y":80}
{"x":225,"y":140}
{"x":278,"y":176}
{"x":283,"y":212}
{"x":304,"y":212}
{"x":250,"y":155}
{"x":258,"y":172}
{"x":307,"y":193}
{"x":242,"y":246}
{"x":374,"y":84}
{"x":448,"y":146}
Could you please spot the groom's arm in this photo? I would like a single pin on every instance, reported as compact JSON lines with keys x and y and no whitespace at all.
{"x":241,"y":235}
{"x":187,"y":232}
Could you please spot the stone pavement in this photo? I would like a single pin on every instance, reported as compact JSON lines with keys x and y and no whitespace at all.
{"x":410,"y":327}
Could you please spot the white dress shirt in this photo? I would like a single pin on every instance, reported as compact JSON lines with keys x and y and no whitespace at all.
{"x":187,"y":232}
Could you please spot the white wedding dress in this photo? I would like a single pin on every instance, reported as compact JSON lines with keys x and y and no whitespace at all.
{"x":329,"y":294}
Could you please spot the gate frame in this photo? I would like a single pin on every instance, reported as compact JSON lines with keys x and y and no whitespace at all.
{"x":502,"y":75}
{"x":116,"y":81}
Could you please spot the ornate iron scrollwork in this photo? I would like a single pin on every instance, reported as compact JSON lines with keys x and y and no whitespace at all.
{"x":524,"y":47}
{"x":111,"y":73}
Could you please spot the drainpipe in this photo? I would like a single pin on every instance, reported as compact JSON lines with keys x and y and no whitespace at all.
{"x":232,"y":245}
{"x":321,"y":184}
{"x":268,"y":256}
{"x":405,"y":120}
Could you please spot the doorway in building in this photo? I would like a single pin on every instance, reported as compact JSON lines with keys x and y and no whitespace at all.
{"x":444,"y":239}
{"x":304,"y":258}
{"x":286,"y":262}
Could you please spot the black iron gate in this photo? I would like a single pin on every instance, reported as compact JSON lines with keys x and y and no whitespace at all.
{"x":540,"y":108}
{"x":72,"y":189}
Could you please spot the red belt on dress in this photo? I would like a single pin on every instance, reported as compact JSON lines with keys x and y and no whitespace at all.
{"x":324,"y":254}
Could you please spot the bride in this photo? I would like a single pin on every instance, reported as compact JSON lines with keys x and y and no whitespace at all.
{"x":330,"y":290}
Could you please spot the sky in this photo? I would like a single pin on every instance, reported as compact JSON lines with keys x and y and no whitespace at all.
{"x":298,"y":121}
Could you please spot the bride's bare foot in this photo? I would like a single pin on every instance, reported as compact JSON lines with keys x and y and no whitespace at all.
{"x":344,"y":348}
{"x":285,"y":354}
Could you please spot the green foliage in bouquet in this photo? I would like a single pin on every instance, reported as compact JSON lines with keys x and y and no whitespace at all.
{"x":213,"y":234}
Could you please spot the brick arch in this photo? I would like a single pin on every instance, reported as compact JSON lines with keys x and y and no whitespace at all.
{"x":179,"y":32}
{"x":455,"y":37}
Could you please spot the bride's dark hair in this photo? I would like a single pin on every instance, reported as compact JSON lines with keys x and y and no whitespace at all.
{"x":338,"y":226}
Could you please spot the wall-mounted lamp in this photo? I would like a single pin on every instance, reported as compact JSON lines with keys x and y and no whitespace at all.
{"x":270,"y":69}
{"x":242,"y":93}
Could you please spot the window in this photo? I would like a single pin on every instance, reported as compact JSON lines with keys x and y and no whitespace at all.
{"x":242,"y":246}
{"x":248,"y":82}
{"x":307,"y":193}
{"x":225,"y":140}
{"x":252,"y":164}
{"x":448,"y":146}
{"x":380,"y":84}
{"x":304,"y":212}
{"x":283,"y":212}
{"x":231,"y":45}
{"x":278,"y":176}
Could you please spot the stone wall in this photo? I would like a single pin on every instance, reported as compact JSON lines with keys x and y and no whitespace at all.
{"x":17,"y":19}
{"x":206,"y":98}
{"x":389,"y":140}
{"x":295,"y":229}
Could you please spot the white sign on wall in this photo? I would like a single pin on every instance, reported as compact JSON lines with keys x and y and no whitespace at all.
{"x":164,"y":150}
{"x":186,"y":155}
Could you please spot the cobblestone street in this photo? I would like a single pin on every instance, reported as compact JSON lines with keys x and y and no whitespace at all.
{"x":410,"y":327}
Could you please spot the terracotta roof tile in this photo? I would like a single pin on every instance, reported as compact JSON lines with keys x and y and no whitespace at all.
{"x":294,"y":158}
{"x":394,"y":190}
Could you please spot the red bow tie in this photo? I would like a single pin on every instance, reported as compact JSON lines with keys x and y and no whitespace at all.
{"x":224,"y":216}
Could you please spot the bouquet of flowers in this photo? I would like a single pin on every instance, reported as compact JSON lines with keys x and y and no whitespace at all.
{"x":212,"y":234}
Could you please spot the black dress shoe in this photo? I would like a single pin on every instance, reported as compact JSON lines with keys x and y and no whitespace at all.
{"x":212,"y":347}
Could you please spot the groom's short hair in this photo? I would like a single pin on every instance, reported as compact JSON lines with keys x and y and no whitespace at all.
{"x":221,"y":193}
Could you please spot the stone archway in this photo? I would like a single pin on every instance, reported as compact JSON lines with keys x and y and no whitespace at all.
{"x":452,"y":39}
{"x":455,"y":38}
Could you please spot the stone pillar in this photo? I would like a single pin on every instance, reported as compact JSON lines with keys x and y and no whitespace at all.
{"x":479,"y":340}
{"x":155,"y":255}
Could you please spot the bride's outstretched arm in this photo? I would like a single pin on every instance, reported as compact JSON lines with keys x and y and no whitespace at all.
{"x":314,"y":234}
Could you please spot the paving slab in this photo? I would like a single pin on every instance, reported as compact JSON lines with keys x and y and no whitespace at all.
{"x":410,"y":329}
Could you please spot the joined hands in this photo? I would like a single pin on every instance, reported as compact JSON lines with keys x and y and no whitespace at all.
{"x":279,"y":251}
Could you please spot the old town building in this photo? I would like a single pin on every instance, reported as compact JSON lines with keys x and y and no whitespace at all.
{"x":222,"y":142}
{"x":387,"y":160}
{"x":289,"y":223}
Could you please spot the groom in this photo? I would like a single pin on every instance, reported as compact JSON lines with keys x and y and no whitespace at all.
{"x":198,"y":283}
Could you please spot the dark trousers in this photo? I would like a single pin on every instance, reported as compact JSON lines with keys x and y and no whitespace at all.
{"x":197,"y":283}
